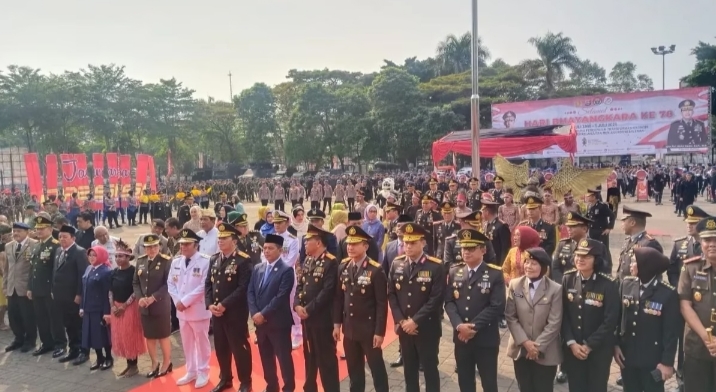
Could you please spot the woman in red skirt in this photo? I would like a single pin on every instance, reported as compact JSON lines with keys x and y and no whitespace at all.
{"x":126,"y":327}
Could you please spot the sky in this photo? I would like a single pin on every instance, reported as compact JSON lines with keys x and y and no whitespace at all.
{"x":199,"y":43}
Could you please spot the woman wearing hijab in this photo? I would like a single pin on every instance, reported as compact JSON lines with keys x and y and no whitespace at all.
{"x":95,"y":309}
{"x":534,"y":317}
{"x":194,"y":223}
{"x":523,"y":238}
{"x":267,"y":228}
{"x":373,"y":226}
{"x":650,"y":313}
{"x":126,"y":327}
{"x":299,"y":222}
{"x":262,"y":218}
{"x":339,"y":219}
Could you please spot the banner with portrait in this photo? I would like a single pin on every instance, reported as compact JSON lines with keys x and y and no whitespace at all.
{"x":642,"y":185}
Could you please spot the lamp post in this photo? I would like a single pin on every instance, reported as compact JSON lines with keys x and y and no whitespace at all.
{"x":663,"y":51}
{"x":475,"y":98}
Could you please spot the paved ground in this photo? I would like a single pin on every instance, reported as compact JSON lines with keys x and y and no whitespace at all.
{"x":24,"y":373}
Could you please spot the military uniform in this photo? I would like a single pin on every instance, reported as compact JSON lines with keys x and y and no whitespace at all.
{"x":685,"y":247}
{"x":445,"y":230}
{"x":500,"y":239}
{"x":315,"y":291}
{"x":427,"y":220}
{"x":361,"y":307}
{"x":227,"y":284}
{"x":602,"y":219}
{"x":416,"y":290}
{"x":474,"y":197}
{"x":476,"y":297}
{"x":687,"y":132}
{"x":591,"y":315}
{"x":41,"y":272}
{"x":640,"y":240}
{"x":547,"y":234}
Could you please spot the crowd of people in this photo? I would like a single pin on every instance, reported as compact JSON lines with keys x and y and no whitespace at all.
{"x":436,"y":252}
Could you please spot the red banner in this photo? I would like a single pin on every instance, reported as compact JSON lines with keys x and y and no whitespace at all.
{"x":51,"y":175}
{"x":642,"y":187}
{"x":125,"y":171}
{"x":34,"y":177}
{"x":141,"y":174}
{"x":152,"y":173}
{"x":113,"y":171}
{"x":98,"y":180}
{"x":74,"y":174}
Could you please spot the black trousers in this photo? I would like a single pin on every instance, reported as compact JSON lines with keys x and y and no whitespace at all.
{"x":467,"y":356}
{"x":173,"y":317}
{"x":278,"y":205}
{"x":319,"y":351}
{"x":590,"y":375}
{"x":69,"y":314}
{"x":699,"y":374}
{"x":22,"y":319}
{"x":351,"y":203}
{"x":229,"y":342}
{"x":315,"y":205}
{"x":417,"y":350}
{"x":276,"y":345}
{"x":264,"y":202}
{"x":658,"y":195}
{"x":640,"y":380}
{"x":49,"y":327}
{"x":294,"y":203}
{"x":143,"y":211}
{"x":533,"y":377}
{"x":357,"y":352}
{"x":205,"y":204}
{"x":326,"y":202}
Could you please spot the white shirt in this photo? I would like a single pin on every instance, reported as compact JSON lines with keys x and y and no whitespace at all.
{"x":186,"y":285}
{"x":534,"y":287}
{"x":209,"y":243}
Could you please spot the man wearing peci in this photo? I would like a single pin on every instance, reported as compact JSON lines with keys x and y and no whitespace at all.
{"x":270,"y":309}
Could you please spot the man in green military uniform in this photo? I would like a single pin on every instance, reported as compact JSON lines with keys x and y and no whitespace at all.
{"x":40,"y":285}
{"x":226,"y":288}
{"x":697,"y":292}
{"x":634,"y":226}
{"x":416,"y":287}
{"x":684,"y":248}
{"x":52,"y":209}
{"x":650,"y":324}
{"x":251,"y":242}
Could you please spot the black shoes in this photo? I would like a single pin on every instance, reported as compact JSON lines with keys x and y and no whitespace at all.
{"x":561,"y":378}
{"x":107,"y":364}
{"x":166,"y":371}
{"x":72,"y":355}
{"x":60,"y":352}
{"x":27,"y":348}
{"x":81,"y":358}
{"x":223,"y":385}
{"x":620,"y":382}
{"x":96,"y":365}
{"x":13,"y":346}
{"x":154,"y":372}
{"x":247,"y":388}
{"x":42,"y":350}
{"x":398,"y":362}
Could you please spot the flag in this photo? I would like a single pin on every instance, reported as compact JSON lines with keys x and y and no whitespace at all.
{"x":170,"y":166}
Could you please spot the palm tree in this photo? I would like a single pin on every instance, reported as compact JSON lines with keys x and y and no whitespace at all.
{"x":557,"y":54}
{"x":454,"y":54}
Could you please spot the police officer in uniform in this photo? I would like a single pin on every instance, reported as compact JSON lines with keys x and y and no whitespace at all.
{"x":498,"y":190}
{"x":591,"y":315}
{"x":697,"y":292}
{"x":40,"y":284}
{"x":416,"y":288}
{"x":453,"y":254}
{"x":684,"y":248}
{"x":435,"y":193}
{"x":650,"y":324}
{"x":392,"y":223}
{"x":474,"y":195}
{"x":313,"y":303}
{"x":407,"y":196}
{"x":497,"y":231}
{"x":249,"y":242}
{"x":429,"y":218}
{"x":547,"y":232}
{"x":448,"y":226}
{"x":687,"y":132}
{"x":474,"y":302}
{"x":183,"y":213}
{"x":361,"y":308}
{"x":225,"y":295}
{"x":563,"y":259}
{"x":602,"y":218}
{"x":634,"y":225}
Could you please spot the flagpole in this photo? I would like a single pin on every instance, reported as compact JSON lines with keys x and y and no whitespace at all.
{"x":475,"y":98}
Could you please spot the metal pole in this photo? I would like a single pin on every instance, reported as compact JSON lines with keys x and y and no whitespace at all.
{"x":231,"y":89}
{"x":663,"y":71}
{"x":475,"y":98}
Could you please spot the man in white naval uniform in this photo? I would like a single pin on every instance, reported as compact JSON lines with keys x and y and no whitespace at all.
{"x":291,"y":249}
{"x":186,"y":287}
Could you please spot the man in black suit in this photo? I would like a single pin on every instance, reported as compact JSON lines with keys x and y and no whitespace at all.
{"x":497,"y":231}
{"x":270,"y":310}
{"x":70,"y":264}
{"x":84,"y":223}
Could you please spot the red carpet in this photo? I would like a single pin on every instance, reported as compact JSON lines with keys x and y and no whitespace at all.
{"x":168,"y":383}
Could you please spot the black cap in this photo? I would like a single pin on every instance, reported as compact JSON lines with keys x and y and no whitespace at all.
{"x":630,"y":212}
{"x":474,"y":179}
{"x":42,"y":222}
{"x":499,"y":179}
{"x":356,"y":234}
{"x":686,"y":103}
{"x":470,"y":238}
{"x":452,"y":182}
{"x":472,"y":218}
{"x":316,"y":214}
{"x":274,"y":239}
{"x":403,"y":218}
{"x":533,"y":202}
{"x":227,"y":230}
{"x":595,"y":192}
{"x":541,"y":256}
{"x":489,"y":203}
{"x":188,"y":196}
{"x":707,"y":227}
{"x":426,"y":198}
{"x":158,"y":223}
{"x":693,"y":214}
{"x":68,"y":229}
{"x":576,"y":219}
{"x":188,"y":235}
{"x":392,"y":206}
{"x":447,"y":207}
{"x":650,"y":263}
{"x":589,"y":247}
{"x":354,"y":216}
{"x":48,"y":202}
{"x":315,"y":231}
{"x":413,"y":232}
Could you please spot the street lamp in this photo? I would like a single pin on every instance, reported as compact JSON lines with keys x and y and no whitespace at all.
{"x":475,"y":98}
{"x":663,"y":51}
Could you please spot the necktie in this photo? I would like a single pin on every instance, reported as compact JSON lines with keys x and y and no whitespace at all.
{"x":470,"y":274}
{"x":266,"y":275}
{"x":697,"y":248}
{"x":400,"y":248}
{"x":532,"y":286}
{"x":188,"y":259}
{"x":17,"y":250}
{"x":411,"y":266}
{"x":354,"y":269}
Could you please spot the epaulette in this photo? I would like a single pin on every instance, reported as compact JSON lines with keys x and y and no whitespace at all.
{"x":144,"y":255}
{"x":494,"y":266}
{"x":347,"y":259}
{"x":573,"y":270}
{"x":205,"y":255}
{"x":168,"y":257}
{"x":667,"y":285}
{"x":681,"y":238}
{"x":457,"y":265}
{"x":435,"y":260}
{"x":254,"y":232}
{"x":606,"y":276}
{"x":54,"y":241}
{"x":401,"y":257}
{"x":692,"y":259}
{"x":524,"y":222}
{"x":630,"y":278}
{"x":330,"y":256}
{"x":243,"y":254}
{"x":374,"y":263}
{"x":291,"y":235}
{"x":217,"y":253}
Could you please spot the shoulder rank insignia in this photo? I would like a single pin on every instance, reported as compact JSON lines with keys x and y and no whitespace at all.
{"x":681,"y":238}
{"x":291,"y":235}
{"x":606,"y":276}
{"x":494,"y":266}
{"x":630,"y":278}
{"x":54,"y":241}
{"x":457,"y":265}
{"x":401,"y":257}
{"x":330,"y":256}
{"x":374,"y":263}
{"x":435,"y":260}
{"x":573,"y":270}
{"x":243,"y":254}
{"x":347,"y":259}
{"x":217,"y":253}
{"x":205,"y":255}
{"x":692,"y":259}
{"x":667,"y":285}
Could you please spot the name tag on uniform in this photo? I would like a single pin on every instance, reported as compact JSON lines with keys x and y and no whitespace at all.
{"x":518,"y":295}
{"x":701,"y":277}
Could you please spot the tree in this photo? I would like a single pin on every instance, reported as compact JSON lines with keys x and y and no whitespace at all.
{"x":623,"y":79}
{"x":704,"y":73}
{"x":589,"y":76}
{"x":24,"y":103}
{"x":219,"y":126}
{"x":256,"y":107}
{"x":557,"y":54}
{"x":454,"y":54}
